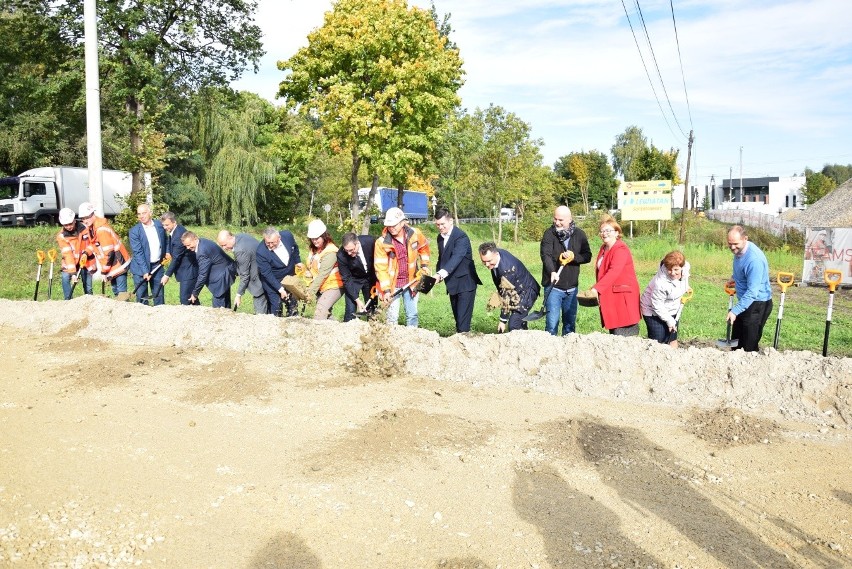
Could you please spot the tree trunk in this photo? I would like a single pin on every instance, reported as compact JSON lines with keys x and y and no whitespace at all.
{"x":354,"y":205}
{"x":365,"y":228}
{"x":136,"y":109}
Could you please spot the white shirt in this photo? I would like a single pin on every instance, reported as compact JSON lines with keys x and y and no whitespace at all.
{"x":282,"y":253}
{"x":153,"y":241}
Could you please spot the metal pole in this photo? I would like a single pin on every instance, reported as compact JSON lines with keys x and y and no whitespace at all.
{"x":742,"y":191}
{"x":93,"y":107}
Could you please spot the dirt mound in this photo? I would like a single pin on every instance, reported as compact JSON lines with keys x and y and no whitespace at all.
{"x":791,"y":385}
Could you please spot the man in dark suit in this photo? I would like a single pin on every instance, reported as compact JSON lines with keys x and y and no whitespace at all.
{"x":244,"y":247}
{"x":183,"y":265}
{"x":456,"y":269}
{"x":517,"y":287}
{"x":215,"y":269}
{"x":355,"y":264}
{"x":276,"y":258}
{"x":148,"y":247}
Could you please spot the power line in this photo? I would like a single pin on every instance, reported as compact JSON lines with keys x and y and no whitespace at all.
{"x":647,"y":74}
{"x":677,"y":41}
{"x":657,"y":66}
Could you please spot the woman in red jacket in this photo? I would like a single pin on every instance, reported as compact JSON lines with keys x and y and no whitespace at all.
{"x":617,"y":288}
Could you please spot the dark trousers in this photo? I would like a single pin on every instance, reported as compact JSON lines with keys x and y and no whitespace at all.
{"x":462,"y":305}
{"x":748,"y":327}
{"x":186,"y":287}
{"x":223,"y":301}
{"x":151,"y":290}
{"x":516,"y":317}
{"x":349,"y":311}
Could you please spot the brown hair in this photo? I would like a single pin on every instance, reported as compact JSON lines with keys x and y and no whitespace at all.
{"x":674,"y":259}
{"x":326,"y":240}
{"x":607,"y":219}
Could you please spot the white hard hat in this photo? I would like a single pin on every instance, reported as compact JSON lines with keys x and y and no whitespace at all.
{"x":316,"y":228}
{"x":86,"y":209}
{"x":393,"y":216}
{"x":66,"y":215}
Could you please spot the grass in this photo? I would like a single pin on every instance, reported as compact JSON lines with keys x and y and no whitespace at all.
{"x":702,"y":323}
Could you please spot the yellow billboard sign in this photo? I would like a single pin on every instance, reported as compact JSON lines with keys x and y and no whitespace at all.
{"x":645,"y":200}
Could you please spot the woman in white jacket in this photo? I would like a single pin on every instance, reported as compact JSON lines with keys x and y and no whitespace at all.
{"x":661,"y":302}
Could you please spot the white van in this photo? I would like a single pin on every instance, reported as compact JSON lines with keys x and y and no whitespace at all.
{"x":507,"y":214}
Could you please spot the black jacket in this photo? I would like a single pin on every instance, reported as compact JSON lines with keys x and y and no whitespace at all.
{"x":456,"y":257}
{"x":550,"y":250}
{"x":352,"y":271}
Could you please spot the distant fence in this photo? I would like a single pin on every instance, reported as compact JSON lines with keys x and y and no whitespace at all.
{"x":770,"y":223}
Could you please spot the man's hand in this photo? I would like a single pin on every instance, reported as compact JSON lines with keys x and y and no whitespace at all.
{"x":164,"y":280}
{"x":731,"y":317}
{"x":554,"y":277}
{"x":147,"y":276}
{"x":237,"y":300}
{"x":501,"y":327}
{"x":192,"y":299}
{"x":359,"y":305}
{"x":566,"y":257}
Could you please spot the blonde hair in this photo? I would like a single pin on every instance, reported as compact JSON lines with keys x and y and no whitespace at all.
{"x":607,"y":219}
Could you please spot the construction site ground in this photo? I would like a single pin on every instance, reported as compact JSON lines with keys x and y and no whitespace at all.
{"x":192,"y":437}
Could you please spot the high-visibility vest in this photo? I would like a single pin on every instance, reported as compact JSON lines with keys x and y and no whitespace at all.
{"x":333,"y":280}
{"x":385,"y":261}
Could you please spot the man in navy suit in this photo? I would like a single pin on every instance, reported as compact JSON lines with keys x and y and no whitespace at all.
{"x":216,"y":269}
{"x":183,"y":265}
{"x":456,"y":269}
{"x":148,"y":247}
{"x":276,"y":258}
{"x":355,"y":264}
{"x":519,"y":290}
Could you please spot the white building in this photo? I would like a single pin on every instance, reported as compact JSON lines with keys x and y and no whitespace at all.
{"x":771,"y":195}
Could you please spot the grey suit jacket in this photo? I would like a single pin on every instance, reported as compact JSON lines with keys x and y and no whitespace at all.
{"x":245,"y":254}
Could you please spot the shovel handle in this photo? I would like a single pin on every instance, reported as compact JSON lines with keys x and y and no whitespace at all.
{"x":40,"y":256}
{"x":832,"y":278}
{"x":687,"y":296}
{"x":784,"y":280}
{"x":731,"y":287}
{"x":52,"y":255}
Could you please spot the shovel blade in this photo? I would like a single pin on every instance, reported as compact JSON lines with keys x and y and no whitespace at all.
{"x":729,"y":344}
{"x":535,"y":315}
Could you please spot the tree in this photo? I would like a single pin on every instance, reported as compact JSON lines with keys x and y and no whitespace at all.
{"x":628,"y":147}
{"x":590,"y":179}
{"x":381,"y":81}
{"x":838,"y":172}
{"x":154,"y":53}
{"x":817,"y":186}
{"x":656,"y":164}
{"x":454,"y":163}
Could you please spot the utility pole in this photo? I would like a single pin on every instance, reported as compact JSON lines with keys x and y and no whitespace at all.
{"x":685,"y":189}
{"x":93,"y":106}
{"x":742,"y":191}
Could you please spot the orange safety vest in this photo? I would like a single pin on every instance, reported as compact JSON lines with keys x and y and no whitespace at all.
{"x":385,"y":261}
{"x":106,"y":248}
{"x":71,"y":246}
{"x":333,"y":280}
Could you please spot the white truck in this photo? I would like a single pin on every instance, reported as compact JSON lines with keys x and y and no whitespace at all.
{"x":36,"y":196}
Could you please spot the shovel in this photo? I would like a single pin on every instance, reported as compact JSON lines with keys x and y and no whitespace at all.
{"x":40,"y":257}
{"x":731,"y":289}
{"x":79,"y":274}
{"x":154,"y":270}
{"x":538,"y":314}
{"x":784,"y":280}
{"x":52,"y":256}
{"x":370,"y":306}
{"x":832,"y":278}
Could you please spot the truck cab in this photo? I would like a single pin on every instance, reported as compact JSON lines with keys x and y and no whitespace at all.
{"x":27,"y":201}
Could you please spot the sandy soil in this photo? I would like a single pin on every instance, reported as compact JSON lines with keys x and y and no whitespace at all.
{"x":182,"y":437}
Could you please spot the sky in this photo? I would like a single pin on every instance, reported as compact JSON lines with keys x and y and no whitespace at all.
{"x":765,"y":85}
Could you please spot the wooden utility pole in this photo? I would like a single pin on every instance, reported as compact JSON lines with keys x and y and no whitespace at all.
{"x":685,"y":190}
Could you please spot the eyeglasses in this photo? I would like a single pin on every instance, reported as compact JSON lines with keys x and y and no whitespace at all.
{"x":607,"y":231}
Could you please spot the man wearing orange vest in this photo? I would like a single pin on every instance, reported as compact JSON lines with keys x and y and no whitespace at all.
{"x":72,"y":240}
{"x":106,"y":250}
{"x":401,"y":255}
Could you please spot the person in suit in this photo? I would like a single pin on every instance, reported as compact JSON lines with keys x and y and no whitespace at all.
{"x":244,"y":248}
{"x":516,"y":286}
{"x":183,"y":265}
{"x":277,"y":257}
{"x":148,"y":248}
{"x":355,"y":263}
{"x":215,"y":269}
{"x":456,"y":269}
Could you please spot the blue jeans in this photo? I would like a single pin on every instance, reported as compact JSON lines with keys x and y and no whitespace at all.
{"x":411,"y":317}
{"x":560,"y":302}
{"x":119,"y":284}
{"x":85,"y":281}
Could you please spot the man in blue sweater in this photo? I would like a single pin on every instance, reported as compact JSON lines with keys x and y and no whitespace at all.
{"x":754,"y":291}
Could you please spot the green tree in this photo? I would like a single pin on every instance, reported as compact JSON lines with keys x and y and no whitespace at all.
{"x":817,"y":186}
{"x":234,"y":141}
{"x":454,"y":165}
{"x":380,"y":79}
{"x":838,"y":172}
{"x":156,"y":53}
{"x":628,"y":148}
{"x":656,"y":164}
{"x":589,"y":177}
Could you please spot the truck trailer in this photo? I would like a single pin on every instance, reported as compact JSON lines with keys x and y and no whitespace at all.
{"x":36,"y":196}
{"x":415,"y":205}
